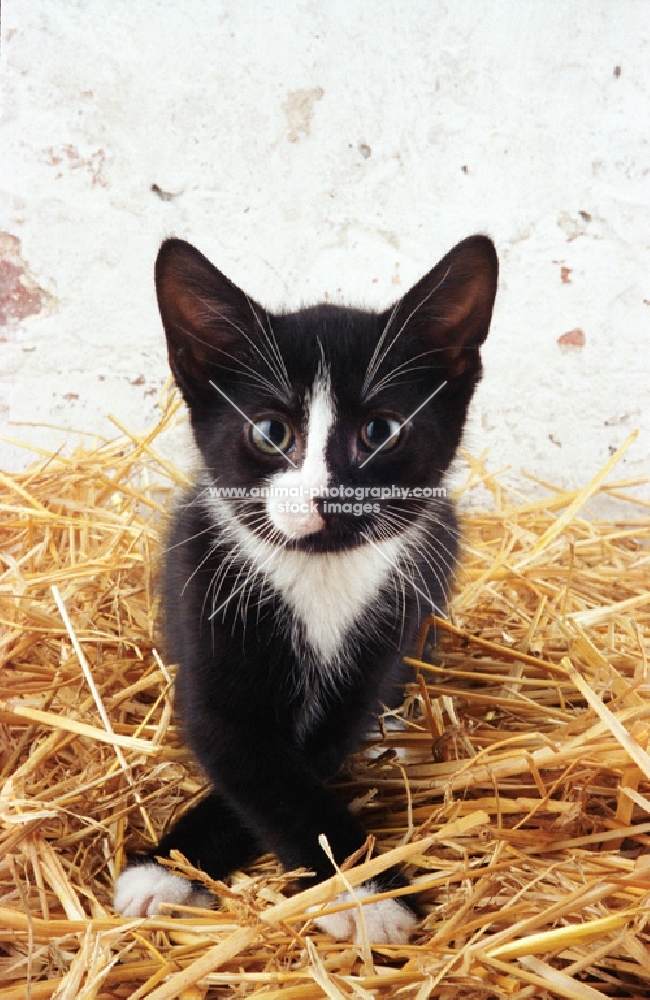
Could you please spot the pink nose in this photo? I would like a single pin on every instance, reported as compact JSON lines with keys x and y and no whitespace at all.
{"x":308,"y":523}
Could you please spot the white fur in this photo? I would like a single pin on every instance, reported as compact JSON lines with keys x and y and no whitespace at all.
{"x":327,"y":591}
{"x":140,"y":890}
{"x":303,"y":483}
{"x":387,"y":922}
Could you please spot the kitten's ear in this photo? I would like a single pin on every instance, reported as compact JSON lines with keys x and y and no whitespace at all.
{"x":207,"y":319}
{"x":451,"y":306}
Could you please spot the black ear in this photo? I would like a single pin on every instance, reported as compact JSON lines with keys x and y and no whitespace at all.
{"x":207,"y":319}
{"x":451,"y":306}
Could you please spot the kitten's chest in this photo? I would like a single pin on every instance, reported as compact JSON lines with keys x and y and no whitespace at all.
{"x":332,"y":596}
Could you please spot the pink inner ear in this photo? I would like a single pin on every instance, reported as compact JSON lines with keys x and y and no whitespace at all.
{"x":458,"y":296}
{"x":186,"y":302}
{"x":475,"y":297}
{"x":204,"y":314}
{"x":179,"y":306}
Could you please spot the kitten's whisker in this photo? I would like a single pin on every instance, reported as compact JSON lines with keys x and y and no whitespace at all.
{"x":272,"y":538}
{"x":244,"y":596}
{"x":415,"y":542}
{"x":400,"y":596}
{"x":275,"y":359}
{"x":213,"y":311}
{"x":406,"y":367}
{"x":432,"y":511}
{"x":408,"y":361}
{"x":445,"y":555}
{"x":427,"y":597}
{"x":258,"y":570}
{"x":251,"y":574}
{"x":233,"y":555}
{"x":274,"y":388}
{"x":435,"y":553}
{"x":211,"y":550}
{"x":372,"y":367}
{"x":427,"y":556}
{"x":438,"y":551}
{"x":218,"y":579}
{"x":408,"y":319}
{"x":190,"y":538}
{"x":275,"y":355}
{"x":254,"y":376}
{"x":430,"y":526}
{"x":429,"y":517}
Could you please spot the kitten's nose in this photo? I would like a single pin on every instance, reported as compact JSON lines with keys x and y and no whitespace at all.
{"x":308,"y":522}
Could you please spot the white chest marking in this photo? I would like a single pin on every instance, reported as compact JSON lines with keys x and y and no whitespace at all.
{"x":329,"y":592}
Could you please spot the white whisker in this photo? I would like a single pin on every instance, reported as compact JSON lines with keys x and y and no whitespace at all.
{"x":377,"y":363}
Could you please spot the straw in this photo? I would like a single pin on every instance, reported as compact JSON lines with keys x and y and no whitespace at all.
{"x":516,"y":792}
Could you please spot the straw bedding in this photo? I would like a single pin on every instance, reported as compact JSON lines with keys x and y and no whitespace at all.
{"x":517,"y":788}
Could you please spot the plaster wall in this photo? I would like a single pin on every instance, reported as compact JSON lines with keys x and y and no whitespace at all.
{"x":332,"y":150}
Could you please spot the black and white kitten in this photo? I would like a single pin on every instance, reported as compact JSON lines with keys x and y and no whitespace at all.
{"x":306,"y":554}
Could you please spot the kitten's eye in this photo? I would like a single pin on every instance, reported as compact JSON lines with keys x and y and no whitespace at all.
{"x":381,"y":432}
{"x":271,"y":436}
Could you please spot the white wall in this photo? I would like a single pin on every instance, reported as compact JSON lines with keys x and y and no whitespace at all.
{"x":335,"y":148}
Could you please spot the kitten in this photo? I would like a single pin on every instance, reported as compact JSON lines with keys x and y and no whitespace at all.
{"x":300,"y":564}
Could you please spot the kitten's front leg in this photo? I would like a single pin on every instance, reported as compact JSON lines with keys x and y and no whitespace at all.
{"x":210,"y":836}
{"x":270,"y":799}
{"x":287,"y":805}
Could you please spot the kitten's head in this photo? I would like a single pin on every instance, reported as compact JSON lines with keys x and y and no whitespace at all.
{"x":322,"y":418}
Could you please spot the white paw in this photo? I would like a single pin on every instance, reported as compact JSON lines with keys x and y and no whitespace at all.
{"x":140,"y":890}
{"x":387,"y":922}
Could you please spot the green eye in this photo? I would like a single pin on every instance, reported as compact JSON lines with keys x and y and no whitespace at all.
{"x":381,"y":432}
{"x":272,"y":436}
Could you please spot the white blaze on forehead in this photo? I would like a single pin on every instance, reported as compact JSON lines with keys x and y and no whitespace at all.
{"x":305,"y":482}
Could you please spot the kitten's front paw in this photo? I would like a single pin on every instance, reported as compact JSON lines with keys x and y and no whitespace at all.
{"x":387,"y":922}
{"x":141,"y":888}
